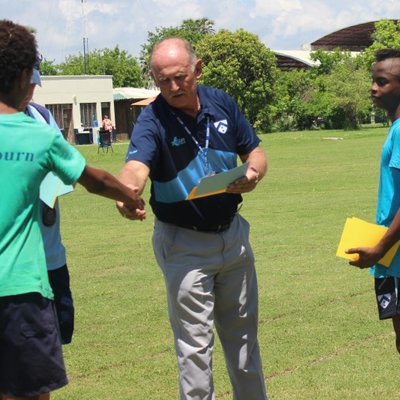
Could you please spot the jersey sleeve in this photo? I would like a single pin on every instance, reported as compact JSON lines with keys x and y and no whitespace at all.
{"x":65,"y":160}
{"x":145,"y":141}
{"x":395,"y":158}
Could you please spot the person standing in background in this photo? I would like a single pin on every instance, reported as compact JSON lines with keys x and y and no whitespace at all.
{"x":108,"y":126}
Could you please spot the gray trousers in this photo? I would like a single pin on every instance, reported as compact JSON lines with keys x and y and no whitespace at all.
{"x":210,"y":279}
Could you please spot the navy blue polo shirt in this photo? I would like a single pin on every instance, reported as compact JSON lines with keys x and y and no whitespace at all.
{"x":176,"y":163}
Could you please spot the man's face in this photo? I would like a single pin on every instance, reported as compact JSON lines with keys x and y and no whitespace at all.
{"x":385,"y":89}
{"x":175,"y":76}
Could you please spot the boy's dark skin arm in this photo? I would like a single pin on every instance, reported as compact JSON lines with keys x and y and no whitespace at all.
{"x":101,"y":182}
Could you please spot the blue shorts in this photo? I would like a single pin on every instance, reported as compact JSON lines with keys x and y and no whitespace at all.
{"x":59,"y":282}
{"x":387,"y":296}
{"x":31,"y":361}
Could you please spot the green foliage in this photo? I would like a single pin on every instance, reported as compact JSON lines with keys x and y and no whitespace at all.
{"x":333,"y":94}
{"x":191,"y":30}
{"x":386,"y":35}
{"x":327,"y":60}
{"x":349,"y":91}
{"x":47,"y":67}
{"x":294,"y":89}
{"x":124,"y":68}
{"x":240,"y":64}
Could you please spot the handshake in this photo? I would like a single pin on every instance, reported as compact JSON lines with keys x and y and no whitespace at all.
{"x":132,"y":209}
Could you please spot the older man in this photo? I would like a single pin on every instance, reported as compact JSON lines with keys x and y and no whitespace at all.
{"x":201,"y":245}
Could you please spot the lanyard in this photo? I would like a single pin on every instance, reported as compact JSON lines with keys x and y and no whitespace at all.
{"x":203,"y":150}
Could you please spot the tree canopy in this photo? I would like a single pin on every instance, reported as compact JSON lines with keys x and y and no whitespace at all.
{"x":386,"y":35}
{"x":335,"y":92}
{"x":124,"y":68}
{"x":240,"y":64}
{"x":190,"y":29}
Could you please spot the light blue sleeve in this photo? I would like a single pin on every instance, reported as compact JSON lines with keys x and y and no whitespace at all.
{"x":66,"y":161}
{"x":53,"y":123}
{"x":395,"y":158}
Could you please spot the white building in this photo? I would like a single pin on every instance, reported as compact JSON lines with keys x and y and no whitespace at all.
{"x":78,"y":103}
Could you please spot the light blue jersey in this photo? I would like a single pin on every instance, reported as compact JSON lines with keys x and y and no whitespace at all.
{"x":389,"y":193}
{"x":53,"y":246}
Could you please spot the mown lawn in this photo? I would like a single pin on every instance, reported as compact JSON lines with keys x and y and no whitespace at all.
{"x":319,"y":333}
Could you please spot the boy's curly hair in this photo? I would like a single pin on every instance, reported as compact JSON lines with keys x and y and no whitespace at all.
{"x":18,"y":51}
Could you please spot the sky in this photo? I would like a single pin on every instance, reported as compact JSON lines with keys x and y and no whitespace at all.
{"x":62,"y":25}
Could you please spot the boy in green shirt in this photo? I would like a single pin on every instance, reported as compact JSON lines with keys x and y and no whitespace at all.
{"x":31,"y":363}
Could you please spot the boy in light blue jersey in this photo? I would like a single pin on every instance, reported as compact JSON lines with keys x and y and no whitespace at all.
{"x":385,"y":92}
{"x":49,"y":222}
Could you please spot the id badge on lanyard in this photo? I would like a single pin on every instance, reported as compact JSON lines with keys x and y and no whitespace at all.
{"x":203,"y":150}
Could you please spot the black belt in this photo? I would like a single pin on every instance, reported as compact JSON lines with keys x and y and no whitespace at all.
{"x":216,"y":228}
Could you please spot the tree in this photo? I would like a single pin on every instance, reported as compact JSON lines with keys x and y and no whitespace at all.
{"x":293,"y":92}
{"x":240,"y":64}
{"x":47,"y":67}
{"x":386,"y":35}
{"x":124,"y":68}
{"x":191,"y":30}
{"x":334,"y":93}
{"x":326,"y":61}
{"x":349,"y":89}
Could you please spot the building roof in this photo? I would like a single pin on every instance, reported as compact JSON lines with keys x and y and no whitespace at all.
{"x":144,"y":102}
{"x":133,"y":93}
{"x":353,"y":38}
{"x":293,"y":59}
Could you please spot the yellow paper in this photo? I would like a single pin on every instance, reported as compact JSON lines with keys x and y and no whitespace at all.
{"x":193,"y":194}
{"x":357,"y":233}
{"x":218,"y":183}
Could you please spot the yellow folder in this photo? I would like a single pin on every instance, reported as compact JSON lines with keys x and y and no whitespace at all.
{"x":217,"y":183}
{"x":358,"y":233}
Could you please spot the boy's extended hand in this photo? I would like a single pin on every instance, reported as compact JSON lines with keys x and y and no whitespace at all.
{"x":132,"y":211}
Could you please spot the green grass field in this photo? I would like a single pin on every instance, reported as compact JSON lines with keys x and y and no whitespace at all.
{"x":319,"y":333}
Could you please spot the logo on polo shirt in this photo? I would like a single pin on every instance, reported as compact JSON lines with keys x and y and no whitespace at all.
{"x":384,"y":300}
{"x":221,"y":126}
{"x":178,"y":141}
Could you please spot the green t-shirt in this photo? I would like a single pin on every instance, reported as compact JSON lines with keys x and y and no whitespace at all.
{"x":28,"y":151}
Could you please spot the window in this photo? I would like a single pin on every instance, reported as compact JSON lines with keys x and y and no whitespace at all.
{"x":105,"y":109}
{"x":88,"y":114}
{"x":62,"y":114}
